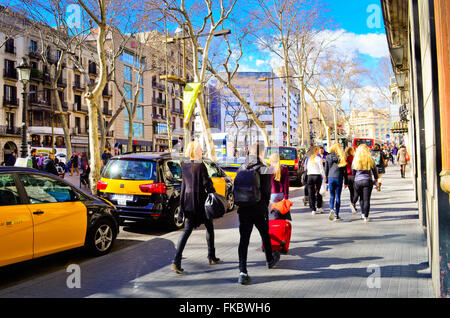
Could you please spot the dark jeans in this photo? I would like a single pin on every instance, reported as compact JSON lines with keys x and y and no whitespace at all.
{"x":335,"y":186}
{"x":351,"y":188}
{"x":248,"y":218}
{"x":364,"y":190}
{"x":314,"y":183}
{"x":188,"y":228}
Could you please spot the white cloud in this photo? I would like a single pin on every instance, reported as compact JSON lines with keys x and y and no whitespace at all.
{"x":351,"y":44}
{"x":260,"y":62}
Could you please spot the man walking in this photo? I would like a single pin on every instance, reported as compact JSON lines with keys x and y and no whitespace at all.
{"x":50,"y":166}
{"x":34,"y":159}
{"x":74,"y":164}
{"x":254,"y":213}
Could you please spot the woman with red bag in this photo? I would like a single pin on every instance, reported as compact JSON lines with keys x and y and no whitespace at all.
{"x":280,"y":185}
{"x":402,"y":159}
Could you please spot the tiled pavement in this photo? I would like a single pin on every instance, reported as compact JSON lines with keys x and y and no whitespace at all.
{"x":326,"y":259}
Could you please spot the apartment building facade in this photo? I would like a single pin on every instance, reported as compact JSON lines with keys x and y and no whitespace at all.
{"x":258,"y":93}
{"x":149,"y":127}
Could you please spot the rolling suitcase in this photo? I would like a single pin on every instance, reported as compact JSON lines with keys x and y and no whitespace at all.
{"x":280,"y":235}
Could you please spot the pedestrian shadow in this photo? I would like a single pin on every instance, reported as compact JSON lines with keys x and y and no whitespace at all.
{"x":332,"y":241}
{"x":395,"y":217}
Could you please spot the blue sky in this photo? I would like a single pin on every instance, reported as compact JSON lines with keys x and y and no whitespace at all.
{"x":360,"y":23}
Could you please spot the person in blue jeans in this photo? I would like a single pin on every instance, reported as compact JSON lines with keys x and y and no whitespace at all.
{"x":336,"y":178}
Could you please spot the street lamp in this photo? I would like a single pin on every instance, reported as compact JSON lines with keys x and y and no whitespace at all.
{"x":311,"y":137}
{"x":24,"y":77}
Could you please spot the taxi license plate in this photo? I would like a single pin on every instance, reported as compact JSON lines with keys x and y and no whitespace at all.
{"x":122,"y":198}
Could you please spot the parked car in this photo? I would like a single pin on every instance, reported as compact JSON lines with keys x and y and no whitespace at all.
{"x":42,"y":214}
{"x":61,"y":157}
{"x":290,"y":157}
{"x":146,"y":186}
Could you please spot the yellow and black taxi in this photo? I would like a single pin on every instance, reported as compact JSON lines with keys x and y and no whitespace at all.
{"x":41,"y":214}
{"x":146,"y":186}
{"x":290,"y":157}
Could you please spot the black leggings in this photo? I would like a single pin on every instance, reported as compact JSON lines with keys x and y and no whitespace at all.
{"x":364,"y":189}
{"x":188,"y":228}
{"x":351,"y":189}
{"x":314,"y":196}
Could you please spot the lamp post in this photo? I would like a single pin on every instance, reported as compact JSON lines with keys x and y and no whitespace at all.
{"x":311,"y":137}
{"x":24,"y":77}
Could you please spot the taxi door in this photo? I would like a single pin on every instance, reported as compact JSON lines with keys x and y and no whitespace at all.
{"x":16,"y":224}
{"x":216,"y":177}
{"x":60,"y":218}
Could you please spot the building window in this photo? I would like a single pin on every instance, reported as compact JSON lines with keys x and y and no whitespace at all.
{"x":127,"y":73}
{"x":127,"y":57}
{"x":33,"y":46}
{"x":138,"y":129}
{"x":9,"y":46}
{"x":140,"y":113}
{"x":141,"y":95}
{"x":127,"y":91}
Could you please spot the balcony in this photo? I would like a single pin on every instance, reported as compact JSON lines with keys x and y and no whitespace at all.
{"x":7,"y":130}
{"x":106,"y":92}
{"x":34,"y":55}
{"x":62,"y":82}
{"x":36,"y":75}
{"x":78,"y":87}
{"x":80,"y":108}
{"x":10,"y":102}
{"x":10,"y":74}
{"x":11,"y":49}
{"x":159,"y":118}
{"x":107,"y":112}
{"x":177,"y":111}
{"x":159,"y":101}
{"x":158,"y":85}
{"x":79,"y":131}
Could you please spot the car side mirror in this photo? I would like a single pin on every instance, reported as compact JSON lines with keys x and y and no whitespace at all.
{"x":75,"y":196}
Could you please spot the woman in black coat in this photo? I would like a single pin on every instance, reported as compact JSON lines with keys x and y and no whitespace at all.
{"x":195,"y":187}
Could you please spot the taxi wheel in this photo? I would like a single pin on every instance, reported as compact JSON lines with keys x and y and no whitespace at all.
{"x":230,"y":200}
{"x":173,"y":219}
{"x":101,"y":237}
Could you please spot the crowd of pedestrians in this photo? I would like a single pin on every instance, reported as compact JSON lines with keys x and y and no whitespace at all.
{"x":359,"y":171}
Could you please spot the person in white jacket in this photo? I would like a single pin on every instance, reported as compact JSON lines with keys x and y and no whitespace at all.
{"x":316,"y":174}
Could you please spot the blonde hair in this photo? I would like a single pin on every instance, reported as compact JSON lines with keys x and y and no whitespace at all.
{"x":275,"y":158}
{"x":314,"y":152}
{"x":363,"y":159}
{"x":191,"y":148}
{"x":342,"y":157}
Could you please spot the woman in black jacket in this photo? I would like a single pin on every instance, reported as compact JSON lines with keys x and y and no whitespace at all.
{"x":195,"y":187}
{"x":335,"y":177}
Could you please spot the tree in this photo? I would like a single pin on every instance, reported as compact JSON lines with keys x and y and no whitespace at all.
{"x":230,"y":68}
{"x":214,"y":17}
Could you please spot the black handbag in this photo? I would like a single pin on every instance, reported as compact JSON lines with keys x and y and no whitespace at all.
{"x":215,"y":206}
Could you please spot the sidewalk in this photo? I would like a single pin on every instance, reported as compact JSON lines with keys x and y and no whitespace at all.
{"x":326,"y":259}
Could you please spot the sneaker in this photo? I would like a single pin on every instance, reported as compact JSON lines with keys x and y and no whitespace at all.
{"x":244,"y":279}
{"x":353,"y":208}
{"x":320,"y":211}
{"x":337,"y":219}
{"x":331,"y":216}
{"x":276,"y":258}
{"x":313,"y":212}
{"x":366,"y":220}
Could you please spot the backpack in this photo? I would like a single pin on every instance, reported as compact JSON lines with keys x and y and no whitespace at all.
{"x":377,"y":158}
{"x":247,"y":187}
